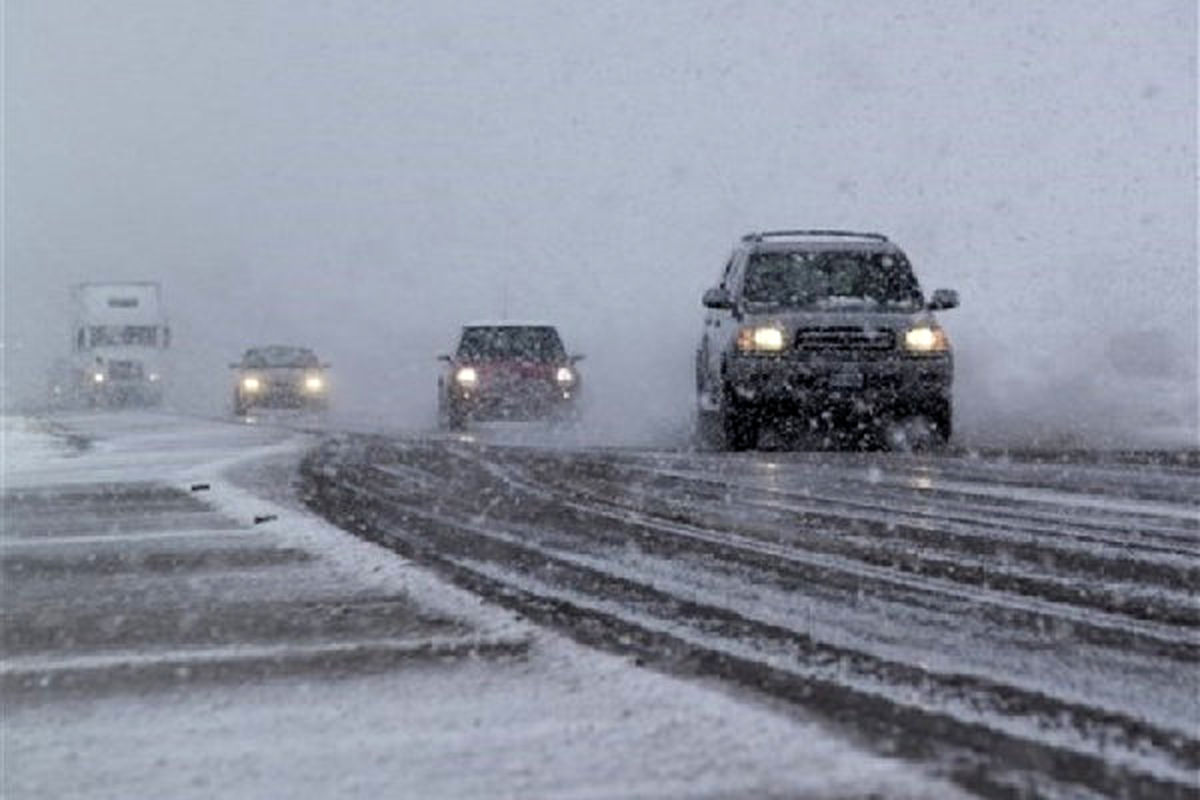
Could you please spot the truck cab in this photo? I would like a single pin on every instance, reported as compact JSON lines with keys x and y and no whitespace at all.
{"x":119,"y":342}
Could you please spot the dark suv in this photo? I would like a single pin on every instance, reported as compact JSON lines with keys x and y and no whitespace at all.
{"x":829,"y":329}
{"x":507,"y":371}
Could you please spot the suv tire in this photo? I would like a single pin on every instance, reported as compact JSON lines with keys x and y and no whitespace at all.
{"x":456,"y":418}
{"x":942,"y":418}
{"x":739,"y":426}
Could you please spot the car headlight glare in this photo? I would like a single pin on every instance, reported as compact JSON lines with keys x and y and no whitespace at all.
{"x":466,"y":376}
{"x":251,"y":384}
{"x":564,"y":376}
{"x":98,"y":377}
{"x":766,"y":339}
{"x":313,"y":383}
{"x":926,"y":339}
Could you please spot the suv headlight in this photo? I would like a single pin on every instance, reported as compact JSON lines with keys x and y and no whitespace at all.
{"x":564,"y":376}
{"x":251,"y":384}
{"x":760,"y":339}
{"x":466,"y":377}
{"x":314,"y":383}
{"x":926,"y":339}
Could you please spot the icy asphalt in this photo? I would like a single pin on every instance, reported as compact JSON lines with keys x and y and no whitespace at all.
{"x":175,"y":625}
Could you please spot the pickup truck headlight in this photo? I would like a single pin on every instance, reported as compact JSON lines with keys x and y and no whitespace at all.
{"x":251,"y":384}
{"x":926,"y":339}
{"x":314,"y":383}
{"x":760,"y":339}
{"x":466,"y":377}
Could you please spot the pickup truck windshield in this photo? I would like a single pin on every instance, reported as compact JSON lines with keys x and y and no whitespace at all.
{"x":824,"y":279}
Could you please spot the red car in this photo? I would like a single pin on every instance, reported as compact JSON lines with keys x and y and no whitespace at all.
{"x":505,"y":371}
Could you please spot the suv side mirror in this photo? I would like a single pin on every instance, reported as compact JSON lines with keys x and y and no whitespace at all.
{"x":942,"y":299}
{"x":717,"y":297}
{"x":576,"y":358}
{"x":445,"y":358}
{"x":235,"y":365}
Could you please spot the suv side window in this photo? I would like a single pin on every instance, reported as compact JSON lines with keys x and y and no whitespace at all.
{"x":725,"y":273}
{"x":733,"y":275}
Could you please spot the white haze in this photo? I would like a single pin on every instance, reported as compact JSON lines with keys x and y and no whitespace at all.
{"x":363,"y":177}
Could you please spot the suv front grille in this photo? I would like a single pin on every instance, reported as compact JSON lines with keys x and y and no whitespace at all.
{"x":845,"y":338}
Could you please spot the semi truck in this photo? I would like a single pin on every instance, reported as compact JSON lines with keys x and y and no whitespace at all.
{"x":120,"y":340}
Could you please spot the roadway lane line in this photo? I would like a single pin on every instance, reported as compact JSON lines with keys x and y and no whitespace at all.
{"x":37,"y":543}
{"x":248,"y":653}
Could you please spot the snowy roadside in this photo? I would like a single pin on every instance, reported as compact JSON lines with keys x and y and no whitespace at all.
{"x":561,"y":721}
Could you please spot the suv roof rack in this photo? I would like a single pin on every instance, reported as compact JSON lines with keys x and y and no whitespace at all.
{"x":761,"y":235}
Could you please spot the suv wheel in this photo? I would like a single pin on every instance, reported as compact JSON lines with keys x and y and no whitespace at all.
{"x":456,"y":418}
{"x":942,"y":420}
{"x":739,"y":426}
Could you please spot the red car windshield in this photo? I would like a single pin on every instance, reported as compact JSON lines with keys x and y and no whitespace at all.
{"x":523,"y":343}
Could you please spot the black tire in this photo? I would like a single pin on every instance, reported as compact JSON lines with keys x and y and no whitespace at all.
{"x":941,"y":420}
{"x":456,"y":419}
{"x":739,"y":428}
{"x":941,"y":416}
{"x":707,"y":432}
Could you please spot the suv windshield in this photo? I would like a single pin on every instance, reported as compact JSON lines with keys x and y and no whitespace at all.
{"x":508,"y":342}
{"x":831,"y":279}
{"x":280,"y":357}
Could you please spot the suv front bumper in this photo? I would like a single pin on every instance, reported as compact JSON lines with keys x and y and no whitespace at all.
{"x":527,"y":402}
{"x":902,"y":383}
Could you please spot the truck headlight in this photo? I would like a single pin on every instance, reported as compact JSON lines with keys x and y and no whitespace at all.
{"x":764,"y":339}
{"x":313,"y":383}
{"x":466,"y":377}
{"x":564,"y":376}
{"x":251,"y":384}
{"x":926,"y":339}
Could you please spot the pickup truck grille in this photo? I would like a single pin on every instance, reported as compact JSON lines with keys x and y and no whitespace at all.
{"x":845,"y":338}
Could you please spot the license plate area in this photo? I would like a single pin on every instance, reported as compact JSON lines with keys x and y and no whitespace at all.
{"x":846,"y":380}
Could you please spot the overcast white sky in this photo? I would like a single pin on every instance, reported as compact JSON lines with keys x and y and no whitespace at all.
{"x":365,"y":176}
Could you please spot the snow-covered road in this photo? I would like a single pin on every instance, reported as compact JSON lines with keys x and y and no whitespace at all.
{"x":176,"y":625}
{"x":1030,"y":620}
